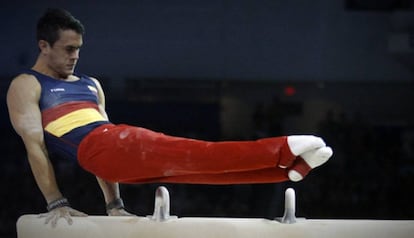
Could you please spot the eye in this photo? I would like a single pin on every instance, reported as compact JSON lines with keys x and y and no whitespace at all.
{"x":71,"y":49}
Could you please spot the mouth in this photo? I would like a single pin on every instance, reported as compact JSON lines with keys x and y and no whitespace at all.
{"x":71,"y":66}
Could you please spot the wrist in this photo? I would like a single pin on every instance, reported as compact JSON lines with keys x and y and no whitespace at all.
{"x":117,"y":203}
{"x":60,"y":202}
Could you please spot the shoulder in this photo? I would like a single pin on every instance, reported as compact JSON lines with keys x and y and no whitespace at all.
{"x":24,"y":90}
{"x":23,"y":82}
{"x":96,"y":82}
{"x":89,"y":78}
{"x":25,"y":77}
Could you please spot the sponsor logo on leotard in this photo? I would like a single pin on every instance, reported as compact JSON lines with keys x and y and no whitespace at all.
{"x":93,"y":89}
{"x":53,"y":90}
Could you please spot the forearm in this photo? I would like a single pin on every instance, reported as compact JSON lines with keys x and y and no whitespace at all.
{"x":114,"y":204}
{"x":44,"y":175}
{"x":110,"y":190}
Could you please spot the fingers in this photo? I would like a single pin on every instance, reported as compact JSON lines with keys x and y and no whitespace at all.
{"x":68,"y":219}
{"x":52,"y":217}
{"x":66,"y":213}
{"x":77,"y":213}
{"x":49,"y":216}
{"x":54,"y":220}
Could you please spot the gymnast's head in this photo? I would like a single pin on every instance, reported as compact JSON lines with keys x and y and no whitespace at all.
{"x":59,"y":37}
{"x":53,"y":22}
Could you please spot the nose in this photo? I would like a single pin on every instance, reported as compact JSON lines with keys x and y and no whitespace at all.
{"x":75,"y":54}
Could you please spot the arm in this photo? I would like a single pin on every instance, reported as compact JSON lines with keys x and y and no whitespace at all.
{"x":24,"y":112}
{"x":22,"y":101}
{"x":110,"y":190}
{"x":113,"y":201}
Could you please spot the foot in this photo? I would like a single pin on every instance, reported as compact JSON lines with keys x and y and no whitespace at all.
{"x":308,"y":161}
{"x":300,"y":144}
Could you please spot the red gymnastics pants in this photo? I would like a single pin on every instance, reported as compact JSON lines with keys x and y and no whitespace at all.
{"x":127,"y":154}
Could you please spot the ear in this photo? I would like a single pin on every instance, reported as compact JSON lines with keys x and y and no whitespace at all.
{"x":43,"y":46}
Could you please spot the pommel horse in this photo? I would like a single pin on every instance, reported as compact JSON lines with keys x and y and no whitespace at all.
{"x":162,"y":224}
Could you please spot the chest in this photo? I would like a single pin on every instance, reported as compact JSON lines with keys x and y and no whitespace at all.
{"x":55,"y":92}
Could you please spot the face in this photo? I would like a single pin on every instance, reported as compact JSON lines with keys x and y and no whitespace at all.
{"x":62,"y":57}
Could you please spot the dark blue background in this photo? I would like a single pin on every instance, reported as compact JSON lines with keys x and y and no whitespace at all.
{"x":219,"y":70}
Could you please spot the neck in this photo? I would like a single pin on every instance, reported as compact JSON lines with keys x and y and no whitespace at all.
{"x":42,"y":67}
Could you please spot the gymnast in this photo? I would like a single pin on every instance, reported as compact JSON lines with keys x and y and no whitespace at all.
{"x":59,"y":112}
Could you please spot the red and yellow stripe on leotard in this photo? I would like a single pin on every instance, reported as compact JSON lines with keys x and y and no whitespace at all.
{"x":65,"y":117}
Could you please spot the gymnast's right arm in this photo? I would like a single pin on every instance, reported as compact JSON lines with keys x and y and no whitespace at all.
{"x":22,"y":102}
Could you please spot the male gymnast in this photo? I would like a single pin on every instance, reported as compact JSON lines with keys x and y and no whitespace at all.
{"x":59,"y":112}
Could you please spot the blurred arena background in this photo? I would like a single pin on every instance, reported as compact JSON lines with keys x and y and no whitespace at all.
{"x":235,"y":70}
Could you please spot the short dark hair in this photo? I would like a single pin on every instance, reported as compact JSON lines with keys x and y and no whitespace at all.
{"x":53,"y":21}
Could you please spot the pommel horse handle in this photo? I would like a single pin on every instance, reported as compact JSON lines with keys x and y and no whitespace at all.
{"x":290,"y":207}
{"x":162,"y":205}
{"x":289,"y":216}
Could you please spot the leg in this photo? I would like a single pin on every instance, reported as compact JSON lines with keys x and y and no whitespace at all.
{"x":268,"y":175}
{"x":125,"y":154}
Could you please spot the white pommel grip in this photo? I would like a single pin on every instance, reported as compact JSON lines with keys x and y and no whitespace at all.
{"x":162,"y":206}
{"x":290,"y":207}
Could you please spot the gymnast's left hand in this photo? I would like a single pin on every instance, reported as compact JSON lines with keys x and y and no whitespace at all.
{"x":119,"y":212}
{"x":65,"y":212}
